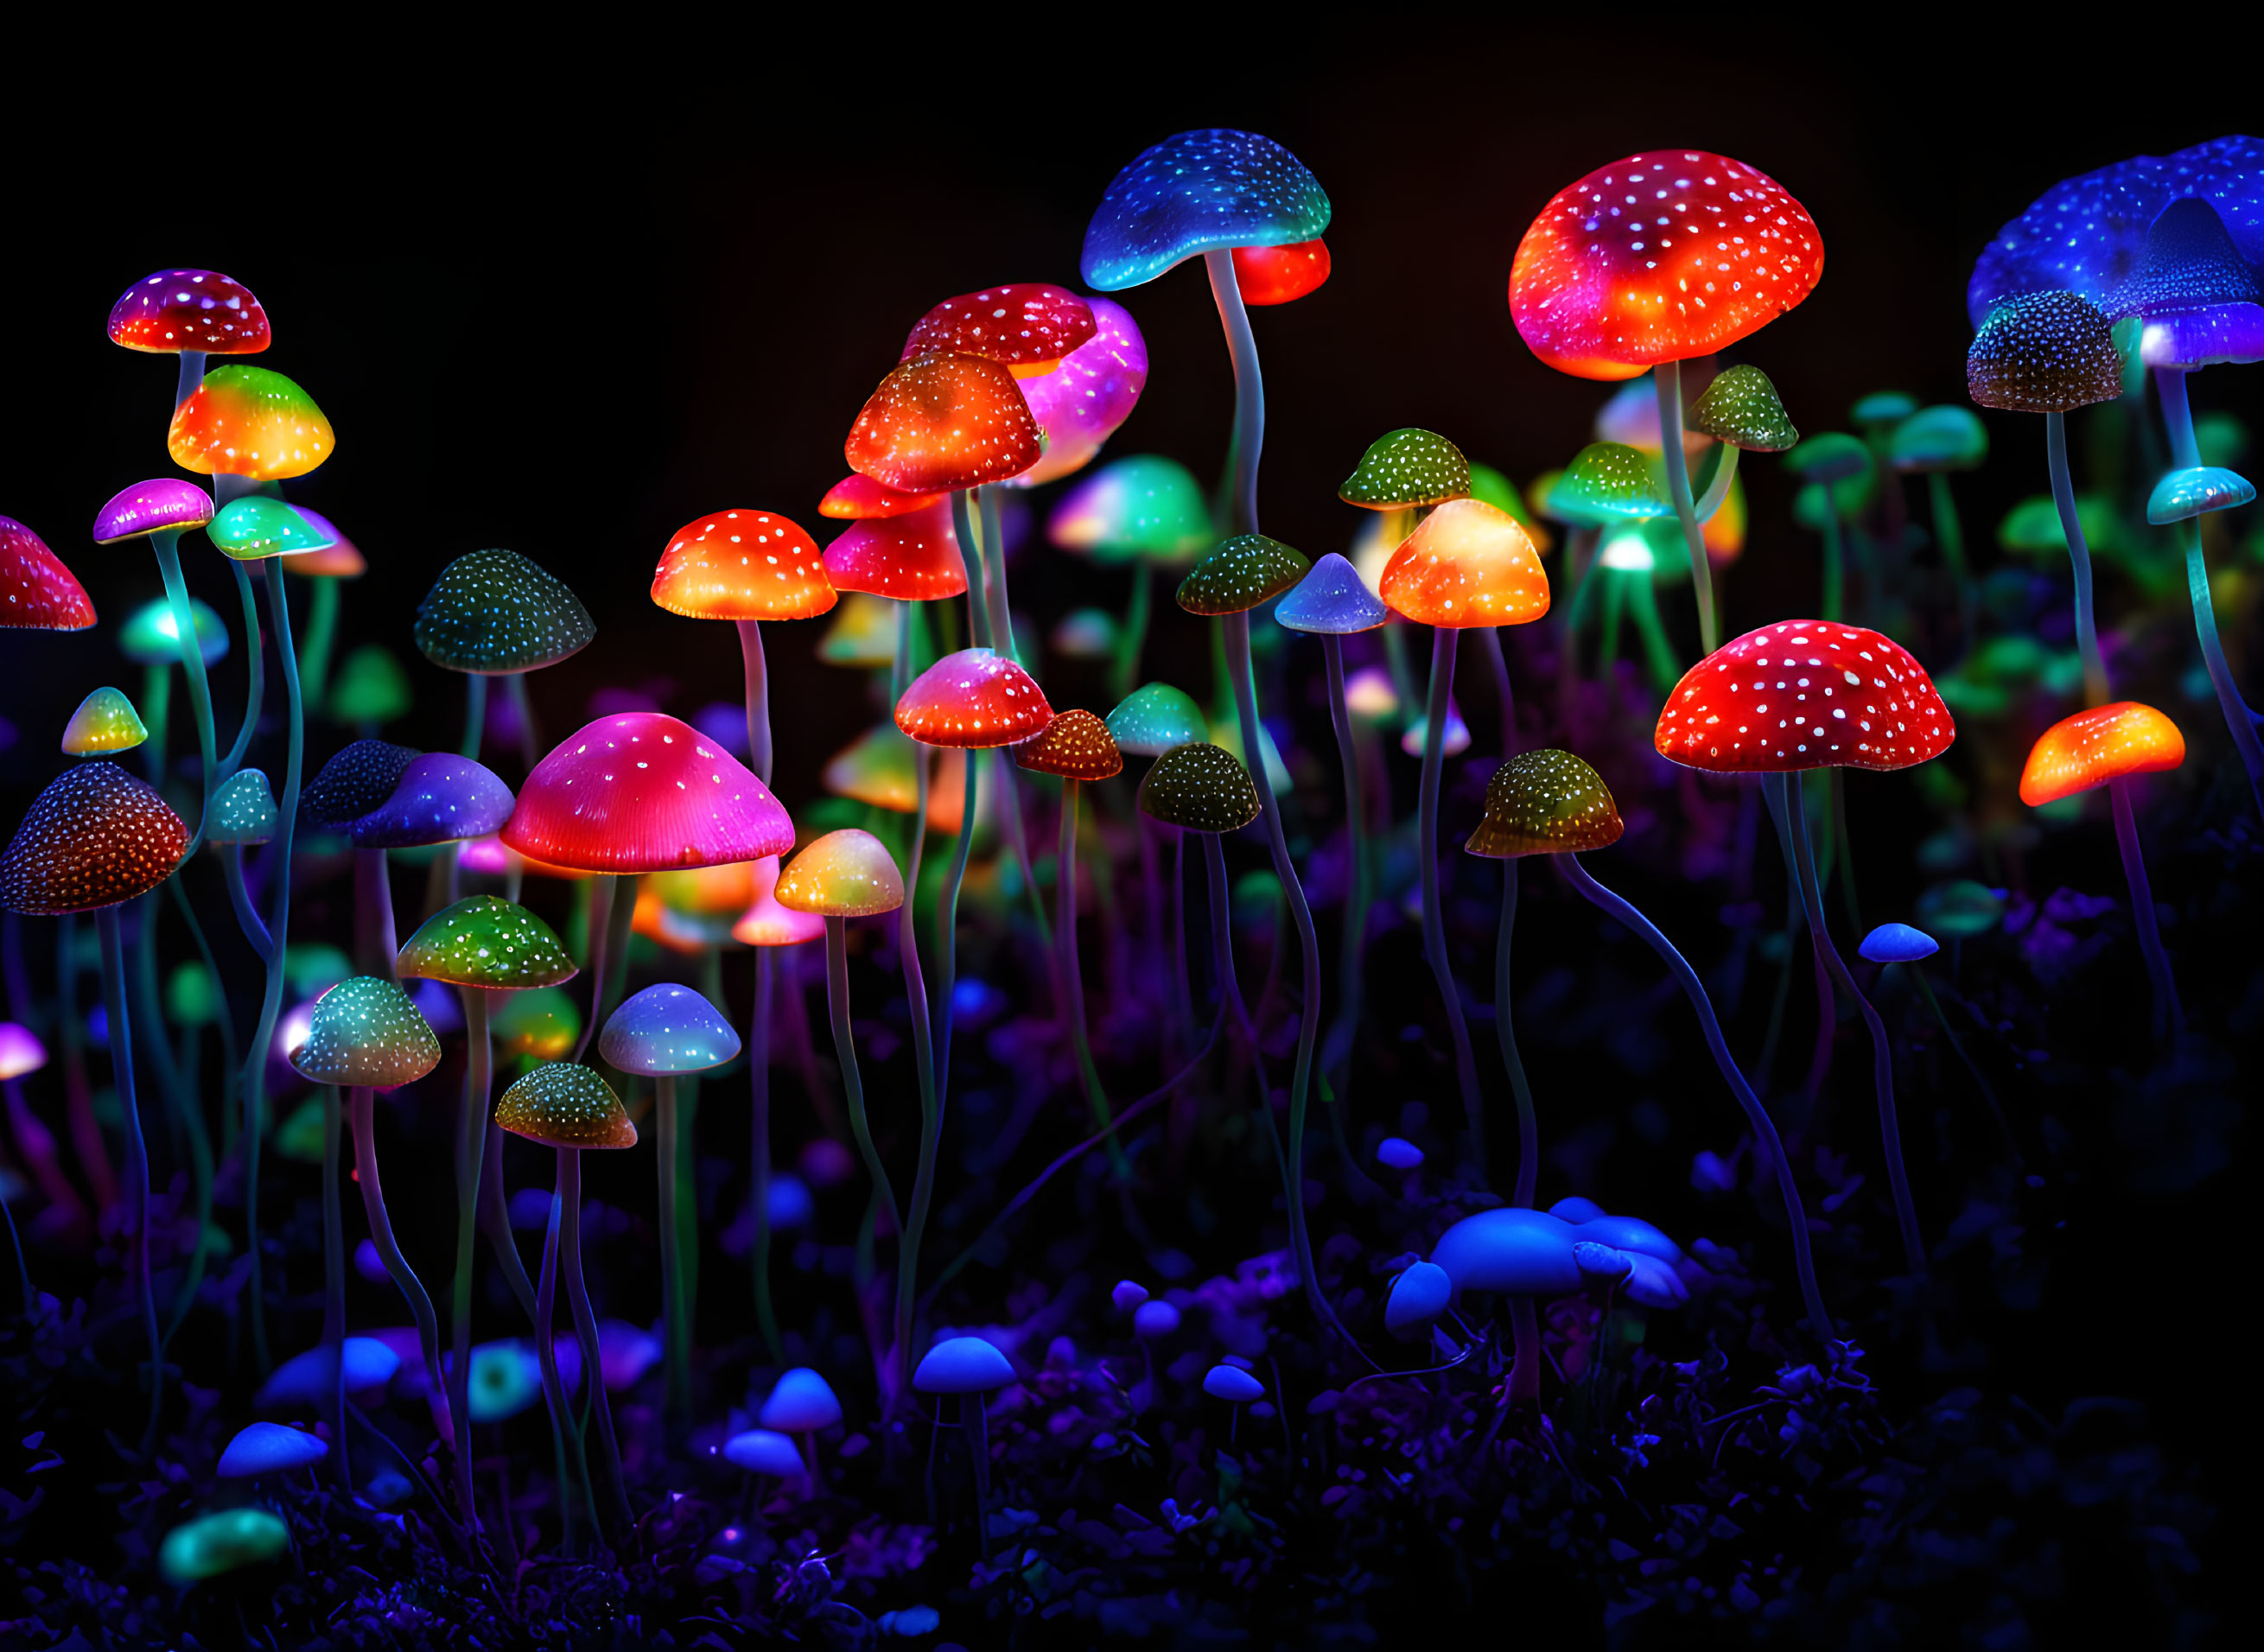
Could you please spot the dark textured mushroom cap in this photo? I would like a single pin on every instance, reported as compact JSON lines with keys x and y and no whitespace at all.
{"x":1545,"y":803}
{"x":361,"y":776}
{"x":94,"y":837}
{"x":1075,"y":745}
{"x":1741,"y":407}
{"x":1607,"y":481}
{"x":441,"y":798}
{"x":367,"y":1034}
{"x":1941,"y":438}
{"x":1200,"y":788}
{"x":37,"y":593}
{"x":481,"y":941}
{"x":2189,"y":263}
{"x":1199,"y":192}
{"x":565,"y":1105}
{"x":2044,"y":352}
{"x":1331,"y":600}
{"x":1156,"y":717}
{"x":243,"y":810}
{"x":1240,"y":574}
{"x":494,"y":611}
{"x":1407,"y":467}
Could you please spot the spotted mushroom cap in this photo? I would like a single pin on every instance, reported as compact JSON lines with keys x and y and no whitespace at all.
{"x":1075,"y":745}
{"x":256,"y":527}
{"x":1605,"y":483}
{"x":565,"y":1105}
{"x":367,"y":1035}
{"x":1659,"y":256}
{"x":857,"y":498}
{"x":1143,"y":507}
{"x":1467,"y":564}
{"x":1154,"y":718}
{"x":246,"y":421}
{"x":1079,"y":405}
{"x":175,"y":310}
{"x":1026,"y":327}
{"x":1240,"y":574}
{"x":482,"y":941}
{"x":667,"y":1029}
{"x":37,"y":593}
{"x":1281,"y":275}
{"x":976,"y":697}
{"x":1942,"y":437}
{"x":1331,"y":600}
{"x":1545,"y":803}
{"x":1741,"y":407}
{"x":439,"y":798}
{"x":1406,"y":468}
{"x":743,"y":565}
{"x":847,"y":874}
{"x":913,"y":557}
{"x":359,"y":776}
{"x":1804,"y":694}
{"x":2197,"y":490}
{"x":643,"y":792}
{"x":494,"y":611}
{"x":94,"y":837}
{"x":942,"y":422}
{"x":2189,"y":262}
{"x":1200,"y":788}
{"x":1196,"y":192}
{"x":243,"y":810}
{"x":2093,"y":747}
{"x":2044,"y":352}
{"x":152,"y":507}
{"x":105,"y":721}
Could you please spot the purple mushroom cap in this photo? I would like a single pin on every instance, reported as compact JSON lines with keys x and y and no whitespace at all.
{"x":151,"y":507}
{"x":441,"y":798}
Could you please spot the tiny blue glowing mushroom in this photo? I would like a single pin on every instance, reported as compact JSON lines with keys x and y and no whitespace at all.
{"x":1128,"y":1295}
{"x":506,"y":1378}
{"x":801,"y":1404}
{"x":1892,"y":944}
{"x":971,"y":1368}
{"x":1234,"y":1386}
{"x":1897,"y":944}
{"x":764,"y":1451}
{"x":270,"y":1448}
{"x":1399,"y":1153}
{"x":1519,"y":1254}
{"x":301,"y":1379}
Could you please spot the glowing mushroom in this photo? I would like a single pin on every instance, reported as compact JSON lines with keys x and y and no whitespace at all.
{"x":1092,"y":390}
{"x":1281,"y":275}
{"x":971,"y":1369}
{"x":249,"y":425}
{"x":161,"y":512}
{"x":907,"y":557}
{"x":189,"y":313}
{"x":105,"y":722}
{"x":37,"y":593}
{"x":494,"y":614}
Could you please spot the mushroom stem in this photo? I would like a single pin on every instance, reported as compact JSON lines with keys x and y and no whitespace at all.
{"x":166,"y":543}
{"x":1579,"y":573}
{"x":1222,"y":936}
{"x":946,"y":923}
{"x":1335,"y":1050}
{"x":1785,"y":795}
{"x":852,"y":1084}
{"x":471,"y":1148}
{"x":1980,"y":1079}
{"x":137,"y":1151}
{"x":2079,"y":553}
{"x":247,"y":915}
{"x":675,"y":1322}
{"x":759,"y":1123}
{"x":1505,"y":1027}
{"x":475,"y":712}
{"x":255,"y":670}
{"x":334,"y":1293}
{"x":758,"y":698}
{"x":1434,"y":929}
{"x":200,"y":1152}
{"x":376,"y":940}
{"x":1666,"y":377}
{"x":554,"y":1388}
{"x":1072,"y":971}
{"x":156,"y":717}
{"x":594,"y":958}
{"x":362,"y":1107}
{"x":191,"y":376}
{"x":1757,"y":1116}
{"x":1249,"y":391}
{"x":1134,"y":636}
{"x":35,"y":1144}
{"x":994,"y":563}
{"x":923,"y":1064}
{"x":1488,"y":640}
{"x":1949,"y":533}
{"x":15,"y":1244}
{"x":971,"y":557}
{"x":2169,"y":1014}
{"x":1658,"y":653}
{"x":618,"y":929}
{"x":569,"y":1198}
{"x":322,"y":629}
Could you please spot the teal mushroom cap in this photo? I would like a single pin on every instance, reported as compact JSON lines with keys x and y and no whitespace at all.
{"x":1941,"y":438}
{"x":367,"y":1035}
{"x":1154,"y":718}
{"x":1331,"y":600}
{"x":219,"y":1543}
{"x":1200,"y":788}
{"x":1406,"y":468}
{"x":666,"y":1030}
{"x":256,"y":527}
{"x":1196,"y":192}
{"x":495,"y":613}
{"x":962,"y":1365}
{"x":2197,"y":490}
{"x":1241,"y":573}
{"x":1881,"y":407}
{"x":243,"y":810}
{"x":1604,"y":481}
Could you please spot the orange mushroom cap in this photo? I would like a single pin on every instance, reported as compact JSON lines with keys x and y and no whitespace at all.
{"x":911,"y":558}
{"x":1280,"y":275}
{"x":856,"y":498}
{"x":1804,"y":694}
{"x":976,"y":697}
{"x":2093,"y":747}
{"x":943,"y":422}
{"x":1467,"y":564}
{"x":743,"y":565}
{"x":1026,"y":326}
{"x":1075,"y":745}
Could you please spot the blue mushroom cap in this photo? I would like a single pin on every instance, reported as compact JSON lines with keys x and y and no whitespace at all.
{"x":666,"y":1030}
{"x":1602,"y":1262}
{"x":1631,"y":1233}
{"x":1331,"y":600}
{"x":1399,"y":1153}
{"x":1232,"y":1382}
{"x":1155,"y":1319}
{"x":962,"y":1365}
{"x":1199,"y":192}
{"x":439,"y":798}
{"x":762,"y":1450}
{"x":1576,"y":1210}
{"x":1128,"y":1295}
{"x":1897,"y":944}
{"x":802,"y":1403}
{"x":303,"y":1379}
{"x":1418,"y":1295}
{"x":269,"y":1448}
{"x":789,"y":1203}
{"x":1515,"y":1252}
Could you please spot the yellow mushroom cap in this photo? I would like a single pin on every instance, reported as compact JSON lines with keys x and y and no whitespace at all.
{"x":848,"y":873}
{"x":565,"y":1105}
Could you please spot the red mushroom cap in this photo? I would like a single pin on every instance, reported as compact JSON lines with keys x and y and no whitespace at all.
{"x":743,"y":565}
{"x":175,"y":310}
{"x":976,"y":697}
{"x":942,"y":422}
{"x":856,"y":498}
{"x":94,"y":837}
{"x":1026,"y":326}
{"x":1660,"y":257}
{"x":644,"y":793}
{"x":1804,"y":694}
{"x":1278,"y":275}
{"x":37,"y":593}
{"x":911,"y":558}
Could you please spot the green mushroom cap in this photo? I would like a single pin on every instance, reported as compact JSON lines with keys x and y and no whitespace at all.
{"x":482,"y":941}
{"x":222,"y":1543}
{"x":1741,"y":407}
{"x":256,"y":527}
{"x":243,"y":810}
{"x":1545,"y":803}
{"x":565,"y":1105}
{"x":1243,"y":572}
{"x":1604,"y":481}
{"x":1942,"y":437}
{"x":493,"y":611}
{"x":1143,"y":507}
{"x":370,"y":688}
{"x":2196,"y":490}
{"x":191,"y":996}
{"x":1154,"y":718}
{"x":1883,"y":407}
{"x":367,"y":1035}
{"x":148,"y":636}
{"x":1200,"y":788}
{"x":105,"y":721}
{"x":1834,"y":456}
{"x":1407,"y":467}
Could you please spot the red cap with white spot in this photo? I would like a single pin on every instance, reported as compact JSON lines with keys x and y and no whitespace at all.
{"x":1804,"y":694}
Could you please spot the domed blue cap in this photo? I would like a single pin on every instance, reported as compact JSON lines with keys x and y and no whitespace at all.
{"x":270,"y":1448}
{"x":802,"y":1403}
{"x":1232,"y":1382}
{"x":303,"y":1379}
{"x":1897,"y":944}
{"x":665,"y":1029}
{"x":1399,"y":1153}
{"x":1418,"y":1296}
{"x":1331,"y":601}
{"x":439,"y":798}
{"x":1576,"y":1209}
{"x":1515,"y":1252}
{"x":2196,"y":490}
{"x":762,"y":1450}
{"x":962,"y":1365}
{"x":1196,"y":191}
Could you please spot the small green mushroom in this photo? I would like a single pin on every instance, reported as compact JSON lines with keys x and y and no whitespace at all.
{"x":1741,"y":407}
{"x":1607,"y":481}
{"x":1405,"y":470}
{"x":1243,"y":572}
